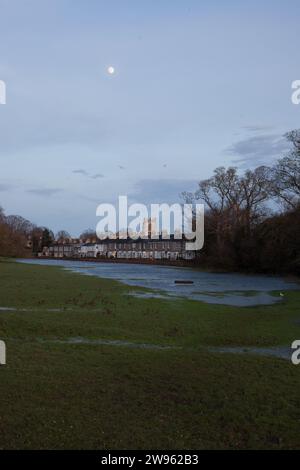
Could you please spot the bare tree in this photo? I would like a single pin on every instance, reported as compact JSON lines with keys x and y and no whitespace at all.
{"x":234,"y":203}
{"x":88,"y":234}
{"x":285,"y":175}
{"x":254,"y":191}
{"x":1,"y":214}
{"x":63,"y":236}
{"x":12,"y":239}
{"x":19,"y":224}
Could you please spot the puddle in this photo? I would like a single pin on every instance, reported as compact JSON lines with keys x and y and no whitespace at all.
{"x":236,"y":299}
{"x":281,"y":352}
{"x":108,"y":342}
{"x":35,"y":309}
{"x":150,"y":295}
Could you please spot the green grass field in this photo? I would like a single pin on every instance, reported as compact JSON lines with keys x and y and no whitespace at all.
{"x":93,"y":396}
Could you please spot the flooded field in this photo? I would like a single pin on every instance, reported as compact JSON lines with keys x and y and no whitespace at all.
{"x":160,"y":281}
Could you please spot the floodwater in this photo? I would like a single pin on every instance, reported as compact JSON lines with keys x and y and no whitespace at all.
{"x":110,"y":342}
{"x":214,"y":288}
{"x":281,"y":352}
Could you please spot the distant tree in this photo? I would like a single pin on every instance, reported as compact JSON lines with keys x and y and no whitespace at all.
{"x":16,"y":233}
{"x":47,"y":237}
{"x":88,"y":234}
{"x":277,"y":244}
{"x":254,"y":191}
{"x":234,"y":205}
{"x":62,"y":236}
{"x":19,"y":224}
{"x":36,"y":238}
{"x":233,"y":198}
{"x":12,"y":240}
{"x":12,"y":244}
{"x":285,"y":175}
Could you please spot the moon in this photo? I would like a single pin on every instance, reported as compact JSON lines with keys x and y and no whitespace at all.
{"x":110,"y":70}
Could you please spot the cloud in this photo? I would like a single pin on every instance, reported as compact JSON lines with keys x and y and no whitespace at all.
{"x":46,"y":192}
{"x":257,"y":128}
{"x":80,"y":172}
{"x":149,"y":191}
{"x":5,"y":187}
{"x":96,"y":176}
{"x":85,"y":173}
{"x":258,"y":150}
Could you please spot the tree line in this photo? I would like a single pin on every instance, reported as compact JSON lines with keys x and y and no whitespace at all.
{"x":21,"y":238}
{"x":252,"y":219}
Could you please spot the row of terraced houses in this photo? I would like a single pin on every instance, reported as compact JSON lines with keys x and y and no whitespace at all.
{"x":161,"y":248}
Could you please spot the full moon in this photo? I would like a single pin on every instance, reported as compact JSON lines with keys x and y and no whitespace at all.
{"x":110,"y":70}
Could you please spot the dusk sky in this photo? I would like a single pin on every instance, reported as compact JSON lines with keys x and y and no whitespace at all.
{"x":197,"y":84}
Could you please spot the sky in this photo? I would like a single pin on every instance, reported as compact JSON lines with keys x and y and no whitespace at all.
{"x":197,"y":85}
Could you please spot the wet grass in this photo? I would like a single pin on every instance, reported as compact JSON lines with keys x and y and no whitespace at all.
{"x":63,"y":395}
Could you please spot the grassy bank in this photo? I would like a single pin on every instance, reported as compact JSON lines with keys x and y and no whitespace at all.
{"x":59,"y":395}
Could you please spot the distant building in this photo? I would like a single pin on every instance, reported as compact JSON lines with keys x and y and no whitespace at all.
{"x":158,"y":249}
{"x":149,"y":227}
